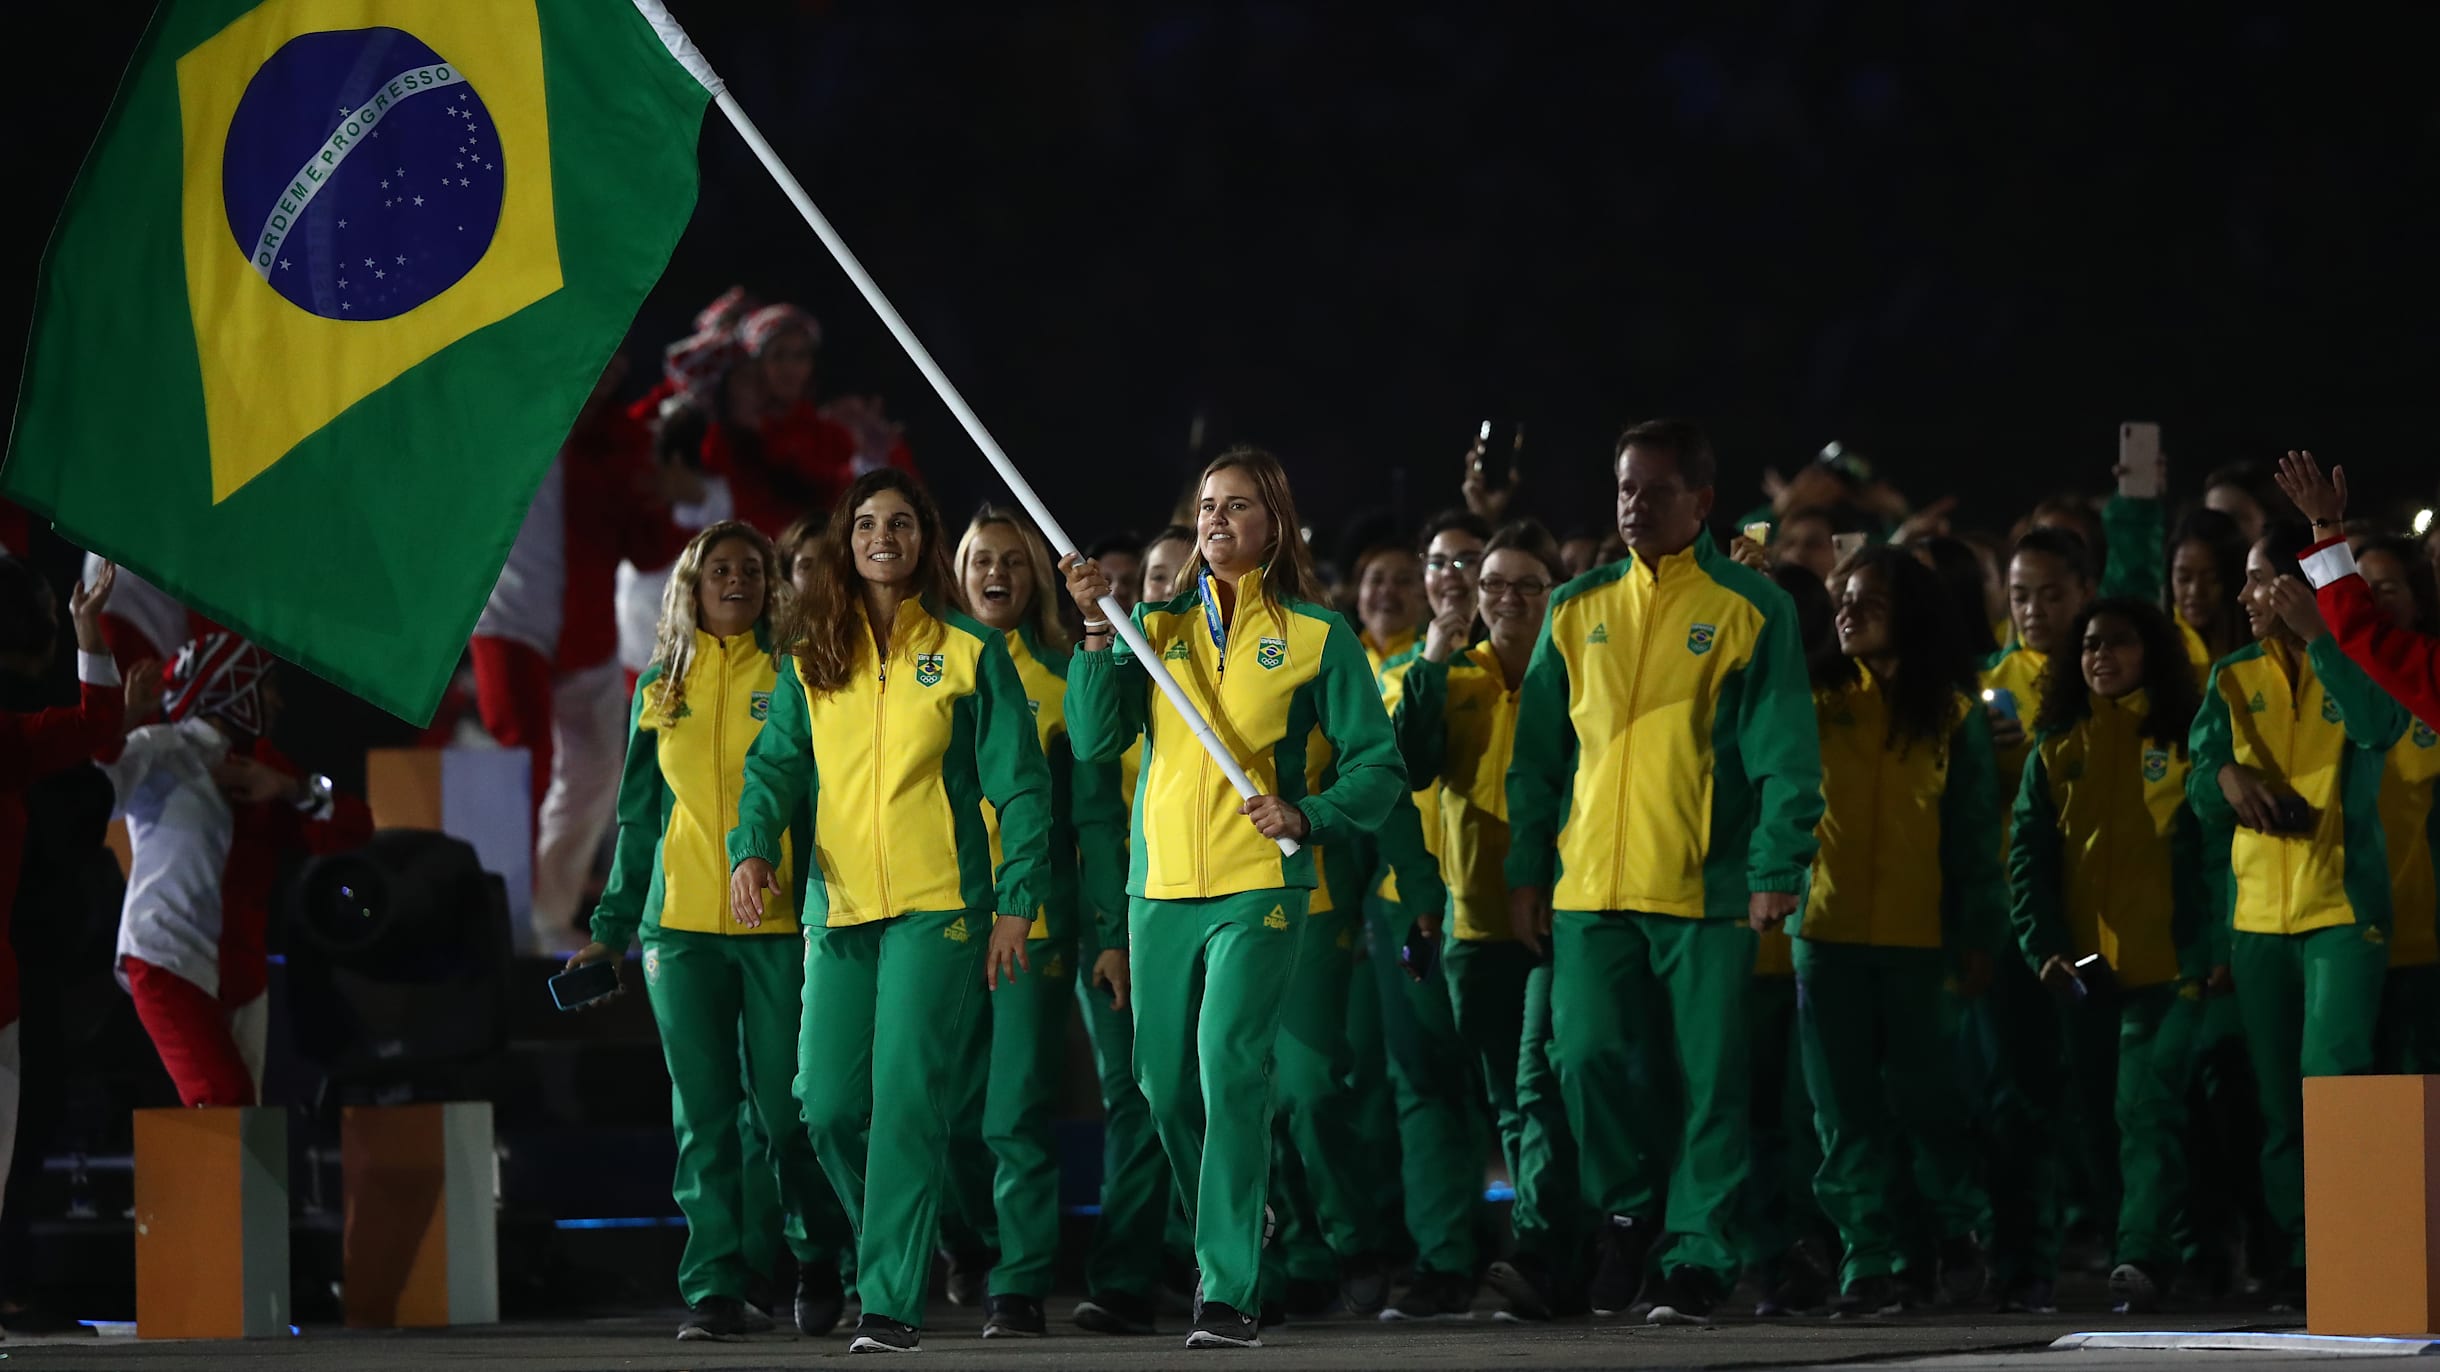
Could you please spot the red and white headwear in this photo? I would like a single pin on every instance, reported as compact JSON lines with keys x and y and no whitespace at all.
{"x":695,"y":364}
{"x":217,"y":675}
{"x":723,"y":315}
{"x":771,"y":321}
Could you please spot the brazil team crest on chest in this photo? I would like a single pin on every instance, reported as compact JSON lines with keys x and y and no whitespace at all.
{"x":927,"y":669}
{"x":760,"y":706}
{"x":2330,"y":711}
{"x":1271,"y":652}
{"x":2155,"y":764}
{"x":1700,"y":637}
{"x":2424,"y":737}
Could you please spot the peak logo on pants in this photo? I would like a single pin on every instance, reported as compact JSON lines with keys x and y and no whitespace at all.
{"x":1277,"y":919}
{"x":956,"y":932}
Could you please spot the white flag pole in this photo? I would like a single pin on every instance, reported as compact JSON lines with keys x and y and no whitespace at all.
{"x":689,"y":56}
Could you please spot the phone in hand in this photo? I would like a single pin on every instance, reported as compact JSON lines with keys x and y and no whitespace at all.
{"x":578,"y":987}
{"x":2003,"y":701}
{"x":1497,"y":446}
{"x":2295,"y":816}
{"x":2094,"y":974}
{"x":2139,"y":465}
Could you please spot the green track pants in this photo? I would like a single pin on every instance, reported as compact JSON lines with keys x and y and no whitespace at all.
{"x":2311,"y":1003}
{"x":1684,"y":1166}
{"x":1432,"y":1078}
{"x":1137,"y":1192}
{"x":1886,"y":1102}
{"x":723,"y":999}
{"x":1779,"y":1208}
{"x":883,"y":1057}
{"x":1500,"y":998}
{"x":1211,"y":978}
{"x":1316,"y":1121}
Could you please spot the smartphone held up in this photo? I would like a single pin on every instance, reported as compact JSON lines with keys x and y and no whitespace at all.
{"x":1497,"y":446}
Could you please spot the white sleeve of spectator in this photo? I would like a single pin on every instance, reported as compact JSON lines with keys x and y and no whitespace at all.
{"x":96,"y":669}
{"x":2334,"y":563}
{"x":717,"y":504}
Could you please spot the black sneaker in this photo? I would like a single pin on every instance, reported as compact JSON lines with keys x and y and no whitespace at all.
{"x":881,"y":1334}
{"x":1113,"y":1312}
{"x":1221,"y":1325}
{"x":820,"y":1298}
{"x":1625,"y":1244}
{"x":1525,"y":1284}
{"x":722,"y":1318}
{"x":1688,"y":1296}
{"x":967,"y":1273}
{"x":1867,"y":1297}
{"x":1364,"y":1284}
{"x":1962,"y":1274}
{"x":2030,"y":1296}
{"x":2133,"y":1291}
{"x":1014,"y":1317}
{"x":1434,"y":1296}
{"x":1797,"y":1280}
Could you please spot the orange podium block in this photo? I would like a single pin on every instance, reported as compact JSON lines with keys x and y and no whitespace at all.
{"x":211,"y":1223}
{"x":2372,"y":1205}
{"x":421,"y":1237}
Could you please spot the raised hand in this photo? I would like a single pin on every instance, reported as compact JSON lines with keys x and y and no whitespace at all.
{"x":2322,"y":499}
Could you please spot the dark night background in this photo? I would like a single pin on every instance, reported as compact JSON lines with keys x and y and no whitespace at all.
{"x":1965,"y":240}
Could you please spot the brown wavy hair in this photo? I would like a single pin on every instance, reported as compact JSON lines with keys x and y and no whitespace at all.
{"x":1288,"y":572}
{"x":830,"y":636}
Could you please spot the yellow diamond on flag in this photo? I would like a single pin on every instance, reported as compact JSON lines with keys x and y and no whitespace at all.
{"x":366,"y":182}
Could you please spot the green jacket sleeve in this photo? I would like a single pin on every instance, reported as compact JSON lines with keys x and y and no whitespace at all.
{"x":1108,"y":698}
{"x":1418,"y":721}
{"x":2374,"y":718}
{"x":1370,"y":778}
{"x":1542,"y":767}
{"x":1976,"y":890}
{"x":1420,"y":890}
{"x":779,"y":777}
{"x":2034,"y":869}
{"x":2195,"y":924}
{"x":2134,"y":548}
{"x":1100,"y":807}
{"x":643,"y":813}
{"x":2213,"y":746}
{"x":1015,"y":779}
{"x":1780,"y":742}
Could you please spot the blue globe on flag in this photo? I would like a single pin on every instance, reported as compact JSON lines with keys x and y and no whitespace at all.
{"x":362,"y":175}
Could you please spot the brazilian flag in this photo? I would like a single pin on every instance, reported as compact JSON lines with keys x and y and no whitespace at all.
{"x":328,"y":293}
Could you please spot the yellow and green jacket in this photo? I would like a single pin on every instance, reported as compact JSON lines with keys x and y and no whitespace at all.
{"x":2410,"y":825}
{"x":1267,"y":677}
{"x":2108,"y":856}
{"x":1666,"y":760}
{"x":1909,"y":833}
{"x":1391,"y":677}
{"x":1087,"y":858}
{"x":2018,"y":670}
{"x":2322,"y":735}
{"x":678,"y":796}
{"x":895,"y":767}
{"x":1456,"y":725}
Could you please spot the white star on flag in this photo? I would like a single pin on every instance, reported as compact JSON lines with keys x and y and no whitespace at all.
{"x":342,"y":283}
{"x":419,"y":200}
{"x":464,"y":182}
{"x":345,"y":305}
{"x":378,"y":273}
{"x":402,"y":259}
{"x":402,"y":171}
{"x":368,"y":261}
{"x":343,"y":223}
{"x":283,"y":264}
{"x":385,"y":185}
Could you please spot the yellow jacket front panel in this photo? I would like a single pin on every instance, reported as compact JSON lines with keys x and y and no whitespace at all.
{"x":1666,"y":760}
{"x":1456,"y":723}
{"x":679,"y":794}
{"x":896,"y":766}
{"x":1279,"y":672}
{"x":1907,"y":830}
{"x":2408,"y":832}
{"x":2321,"y":734}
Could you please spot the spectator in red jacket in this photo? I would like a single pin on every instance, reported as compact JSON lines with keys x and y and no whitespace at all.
{"x":212,"y":809}
{"x":33,"y":746}
{"x":2400,"y":661}
{"x":797,"y":458}
{"x":546,"y":647}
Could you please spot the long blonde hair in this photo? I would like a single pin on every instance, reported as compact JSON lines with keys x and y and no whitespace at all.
{"x":1288,"y":572}
{"x":673,"y":648}
{"x":1050,"y":630}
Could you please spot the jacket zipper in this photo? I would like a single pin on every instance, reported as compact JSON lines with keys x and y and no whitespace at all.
{"x":720,"y":750}
{"x":881,"y":828}
{"x":1626,"y":742}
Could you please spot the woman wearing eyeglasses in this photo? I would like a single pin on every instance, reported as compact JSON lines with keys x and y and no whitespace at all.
{"x":1455,"y":721}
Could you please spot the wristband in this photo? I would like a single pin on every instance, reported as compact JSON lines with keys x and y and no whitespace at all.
{"x":1093,"y":627}
{"x":2327,"y":523}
